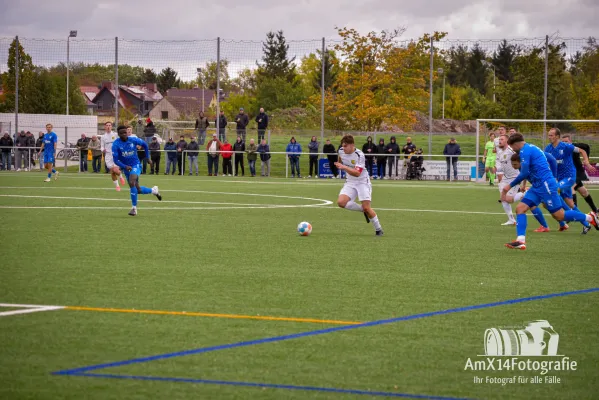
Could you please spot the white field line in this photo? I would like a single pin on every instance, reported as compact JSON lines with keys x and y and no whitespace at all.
{"x":26,"y":309}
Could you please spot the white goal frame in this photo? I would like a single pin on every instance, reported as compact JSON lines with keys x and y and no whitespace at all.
{"x":543,"y":121}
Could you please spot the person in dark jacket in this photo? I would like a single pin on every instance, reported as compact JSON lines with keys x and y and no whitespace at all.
{"x":193,"y":149}
{"x":264,"y":151}
{"x":22,"y":153}
{"x":239,"y":149}
{"x":392,"y":150}
{"x":222,"y":124}
{"x":313,"y":157}
{"x":202,"y":124}
{"x":181,"y":147}
{"x":31,"y":144}
{"x":6,"y":144}
{"x":155,"y":156}
{"x":332,"y":157}
{"x":381,"y":158}
{"x":38,"y":148}
{"x":149,"y":132}
{"x":293,"y":151}
{"x":82,"y":147}
{"x":170,"y":148}
{"x":242,"y":121}
{"x":368,"y":149}
{"x":452,"y":149}
{"x":262,"y":121}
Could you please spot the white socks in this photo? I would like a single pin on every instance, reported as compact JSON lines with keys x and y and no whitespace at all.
{"x":507,"y":207}
{"x":116,"y":183}
{"x":376,"y":223}
{"x":353,"y":206}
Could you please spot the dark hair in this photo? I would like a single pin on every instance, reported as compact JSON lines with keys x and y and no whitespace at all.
{"x":121,"y":128}
{"x":347,"y":139}
{"x":515,"y":157}
{"x":107,"y":122}
{"x":515,"y":138}
{"x":558,"y":133}
{"x":566,"y":135}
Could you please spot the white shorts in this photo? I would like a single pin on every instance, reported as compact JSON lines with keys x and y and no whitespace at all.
{"x":512,"y":192}
{"x":362,"y":191}
{"x":108,"y":160}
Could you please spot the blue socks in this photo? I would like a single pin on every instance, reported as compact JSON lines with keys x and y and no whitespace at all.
{"x":539,"y":217}
{"x":145,"y":190}
{"x":572,"y":215}
{"x":49,"y":175}
{"x":53,"y":171}
{"x":522,"y":222}
{"x":134,"y":196}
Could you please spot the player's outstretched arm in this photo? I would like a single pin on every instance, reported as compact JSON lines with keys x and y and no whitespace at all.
{"x":585,"y":158}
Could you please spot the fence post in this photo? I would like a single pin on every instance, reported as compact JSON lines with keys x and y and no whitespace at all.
{"x":116,"y":81}
{"x":545,"y":91}
{"x":218,"y":86}
{"x":324,"y":56}
{"x":66,"y":143}
{"x":17,"y":70}
{"x":430,"y":104}
{"x":477,"y":149}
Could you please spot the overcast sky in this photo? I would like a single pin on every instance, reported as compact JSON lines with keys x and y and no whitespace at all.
{"x":300,"y":19}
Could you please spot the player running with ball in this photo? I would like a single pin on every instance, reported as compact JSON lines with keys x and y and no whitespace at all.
{"x":106,"y":146}
{"x":357,"y":182}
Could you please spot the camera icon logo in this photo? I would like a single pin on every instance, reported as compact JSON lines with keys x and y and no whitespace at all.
{"x":538,"y":338}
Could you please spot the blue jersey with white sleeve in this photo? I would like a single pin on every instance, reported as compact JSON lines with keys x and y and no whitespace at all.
{"x":534,"y":167}
{"x":50,"y":140}
{"x":552,"y":164}
{"x":125,"y":153}
{"x":565,"y":162}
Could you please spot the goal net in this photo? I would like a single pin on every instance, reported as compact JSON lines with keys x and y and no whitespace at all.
{"x":535,"y":132}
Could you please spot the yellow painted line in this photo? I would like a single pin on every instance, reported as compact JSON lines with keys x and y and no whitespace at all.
{"x":200,"y":314}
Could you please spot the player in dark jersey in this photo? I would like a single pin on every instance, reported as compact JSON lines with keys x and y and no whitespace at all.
{"x":581,"y":174}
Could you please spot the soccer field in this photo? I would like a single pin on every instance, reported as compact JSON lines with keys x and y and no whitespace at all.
{"x":212,"y":294}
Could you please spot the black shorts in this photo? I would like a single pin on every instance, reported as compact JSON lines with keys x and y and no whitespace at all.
{"x":579,"y":178}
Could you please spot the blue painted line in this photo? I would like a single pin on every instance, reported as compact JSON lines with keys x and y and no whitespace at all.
{"x":271,"y":385}
{"x":320,"y":332}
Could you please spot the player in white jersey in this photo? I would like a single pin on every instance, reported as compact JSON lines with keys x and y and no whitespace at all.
{"x":357,"y":182}
{"x":106,"y":146}
{"x":505,"y":175}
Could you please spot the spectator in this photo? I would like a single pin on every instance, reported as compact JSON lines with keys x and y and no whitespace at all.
{"x":170,"y":147}
{"x":332,"y":156}
{"x":31,"y":151}
{"x":82,"y":147}
{"x":408,"y":148}
{"x":202,"y":124}
{"x":239,"y":149}
{"x":264,"y":150}
{"x":293,"y":151}
{"x":252,"y":156}
{"x":369,"y":149}
{"x":392,"y":152}
{"x":181,"y":147}
{"x":192,"y":155}
{"x":242,"y":121}
{"x":381,"y":158}
{"x":227,"y":152}
{"x":96,"y":147}
{"x":131,"y":134}
{"x":213,"y":149}
{"x":6,"y":144}
{"x":452,"y":149}
{"x":313,"y":150}
{"x":222,"y":124}
{"x":262,"y":120}
{"x":22,"y":153}
{"x":154,"y":156}
{"x":38,"y":147}
{"x":149,"y":132}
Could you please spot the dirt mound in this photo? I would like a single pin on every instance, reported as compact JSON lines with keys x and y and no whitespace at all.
{"x":439,"y":125}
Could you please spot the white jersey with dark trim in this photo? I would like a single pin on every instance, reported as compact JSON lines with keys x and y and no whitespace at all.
{"x":107,"y":141}
{"x":504,"y":163}
{"x":357,"y":161}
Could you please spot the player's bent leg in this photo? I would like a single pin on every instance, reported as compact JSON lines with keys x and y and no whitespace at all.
{"x":342,"y":200}
{"x":371,"y":216}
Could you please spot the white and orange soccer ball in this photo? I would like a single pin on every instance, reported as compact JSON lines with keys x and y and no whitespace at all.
{"x":304,"y":228}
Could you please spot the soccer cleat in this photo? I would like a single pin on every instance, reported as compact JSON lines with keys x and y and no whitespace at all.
{"x":122,"y":180}
{"x":516,"y":244}
{"x":366,"y":216}
{"x":541,"y":229}
{"x":586,"y":229}
{"x":133,"y":212}
{"x":595,"y":220}
{"x":509,"y":223}
{"x":156,"y":193}
{"x":47,"y":180}
{"x":118,"y":188}
{"x":56,"y":175}
{"x":379,"y":233}
{"x":564,"y":228}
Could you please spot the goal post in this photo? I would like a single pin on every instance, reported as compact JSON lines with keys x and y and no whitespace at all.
{"x":535,"y":132}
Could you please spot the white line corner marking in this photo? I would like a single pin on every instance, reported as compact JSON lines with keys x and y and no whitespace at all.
{"x":26,"y":309}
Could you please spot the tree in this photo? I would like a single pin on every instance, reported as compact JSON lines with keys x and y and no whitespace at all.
{"x":457,"y":61}
{"x":207,"y":77}
{"x":476,"y":71}
{"x":278,"y":93}
{"x":245,"y":82}
{"x":503,"y":59}
{"x":276,"y":62}
{"x":167,"y":79}
{"x":331,"y":70}
{"x":28,"y":94}
{"x":149,"y":76}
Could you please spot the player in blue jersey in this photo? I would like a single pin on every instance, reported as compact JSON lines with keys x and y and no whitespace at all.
{"x":48,"y":150}
{"x":124,"y":151}
{"x":535,"y":168}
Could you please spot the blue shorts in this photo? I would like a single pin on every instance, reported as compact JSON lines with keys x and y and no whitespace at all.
{"x":546,"y":194}
{"x":565,"y":187}
{"x":48,"y":158}
{"x":135,"y":170}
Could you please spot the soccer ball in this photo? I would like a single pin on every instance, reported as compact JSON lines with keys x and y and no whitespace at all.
{"x":304,"y":228}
